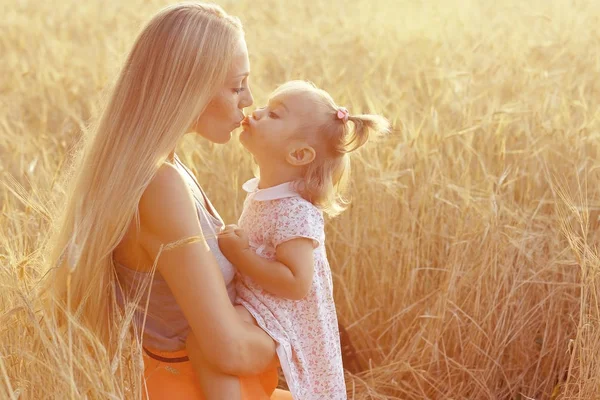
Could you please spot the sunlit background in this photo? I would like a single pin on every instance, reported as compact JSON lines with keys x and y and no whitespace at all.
{"x":466,"y":267}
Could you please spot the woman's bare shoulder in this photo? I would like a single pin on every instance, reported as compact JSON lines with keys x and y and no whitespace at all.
{"x":167,"y":209}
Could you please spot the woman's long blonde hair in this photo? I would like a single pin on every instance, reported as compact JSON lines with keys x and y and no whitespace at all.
{"x":177,"y":64}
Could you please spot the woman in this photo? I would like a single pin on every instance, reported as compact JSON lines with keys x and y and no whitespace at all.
{"x":131,"y":196}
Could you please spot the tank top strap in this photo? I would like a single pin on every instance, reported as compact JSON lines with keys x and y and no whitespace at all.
{"x":202,"y":199}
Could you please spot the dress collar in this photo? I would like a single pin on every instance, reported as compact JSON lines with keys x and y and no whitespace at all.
{"x":272,"y":193}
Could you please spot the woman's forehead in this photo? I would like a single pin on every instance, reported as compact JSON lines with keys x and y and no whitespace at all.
{"x":240,"y":63}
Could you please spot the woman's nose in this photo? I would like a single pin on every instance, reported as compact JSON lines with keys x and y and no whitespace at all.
{"x":247,"y":100}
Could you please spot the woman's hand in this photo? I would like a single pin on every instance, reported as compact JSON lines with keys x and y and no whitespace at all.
{"x":233,"y":242}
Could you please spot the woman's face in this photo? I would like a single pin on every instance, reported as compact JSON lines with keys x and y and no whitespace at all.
{"x":226,"y":110}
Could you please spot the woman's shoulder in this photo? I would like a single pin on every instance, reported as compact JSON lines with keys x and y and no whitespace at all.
{"x":167,"y":205}
{"x":167,"y":188}
{"x":166,"y":177}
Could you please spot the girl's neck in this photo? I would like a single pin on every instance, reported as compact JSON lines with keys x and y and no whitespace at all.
{"x":276,"y":175}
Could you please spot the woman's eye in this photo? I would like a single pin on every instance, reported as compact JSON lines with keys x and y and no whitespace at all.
{"x":273,"y":115}
{"x":238,"y":90}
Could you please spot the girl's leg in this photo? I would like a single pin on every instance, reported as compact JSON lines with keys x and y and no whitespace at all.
{"x":215,"y":384}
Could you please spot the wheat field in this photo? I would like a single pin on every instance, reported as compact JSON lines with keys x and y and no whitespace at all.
{"x":467,"y":266}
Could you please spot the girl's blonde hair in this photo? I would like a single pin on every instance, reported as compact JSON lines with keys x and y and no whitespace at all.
{"x":178,"y":63}
{"x":326,"y":179}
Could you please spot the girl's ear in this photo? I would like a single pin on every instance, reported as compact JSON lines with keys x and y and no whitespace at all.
{"x":299,"y":156}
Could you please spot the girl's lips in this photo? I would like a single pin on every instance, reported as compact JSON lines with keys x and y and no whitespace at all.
{"x":245,"y":122}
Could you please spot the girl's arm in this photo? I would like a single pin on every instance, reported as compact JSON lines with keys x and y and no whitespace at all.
{"x":168,"y":214}
{"x":289,"y":276}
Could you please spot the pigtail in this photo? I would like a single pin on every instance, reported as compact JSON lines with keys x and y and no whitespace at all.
{"x":364,"y":126}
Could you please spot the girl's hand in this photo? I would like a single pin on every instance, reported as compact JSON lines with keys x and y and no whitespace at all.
{"x":233,"y":242}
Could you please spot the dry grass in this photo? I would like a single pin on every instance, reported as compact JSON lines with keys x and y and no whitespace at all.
{"x":467,"y":266}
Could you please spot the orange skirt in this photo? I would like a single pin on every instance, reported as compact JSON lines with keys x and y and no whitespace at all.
{"x":170,"y":375}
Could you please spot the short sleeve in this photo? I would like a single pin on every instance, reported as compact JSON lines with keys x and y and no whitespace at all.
{"x":297,"y":218}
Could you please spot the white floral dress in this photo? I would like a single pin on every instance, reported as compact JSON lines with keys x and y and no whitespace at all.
{"x":306,"y":331}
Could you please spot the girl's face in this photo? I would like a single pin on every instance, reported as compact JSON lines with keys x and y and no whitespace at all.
{"x":226,"y":110}
{"x":269,"y":131}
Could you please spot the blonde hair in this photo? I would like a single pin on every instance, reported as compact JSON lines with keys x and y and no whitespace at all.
{"x":178,"y":62}
{"x":326,"y":179}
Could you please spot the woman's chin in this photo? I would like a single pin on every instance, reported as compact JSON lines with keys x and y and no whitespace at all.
{"x":222,"y":139}
{"x":216,"y":138}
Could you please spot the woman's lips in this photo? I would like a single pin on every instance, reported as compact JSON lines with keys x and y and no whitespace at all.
{"x":238,"y":123}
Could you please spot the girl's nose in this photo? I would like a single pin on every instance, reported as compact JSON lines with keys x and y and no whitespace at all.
{"x":256,"y":114}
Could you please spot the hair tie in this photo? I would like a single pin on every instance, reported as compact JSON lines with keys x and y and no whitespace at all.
{"x":343,"y":114}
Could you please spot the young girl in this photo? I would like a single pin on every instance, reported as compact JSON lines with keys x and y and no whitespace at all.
{"x":301,"y":142}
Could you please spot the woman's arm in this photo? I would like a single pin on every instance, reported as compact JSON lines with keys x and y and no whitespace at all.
{"x":167,"y":215}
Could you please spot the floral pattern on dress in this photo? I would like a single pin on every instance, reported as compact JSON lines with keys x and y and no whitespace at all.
{"x":306,"y":331}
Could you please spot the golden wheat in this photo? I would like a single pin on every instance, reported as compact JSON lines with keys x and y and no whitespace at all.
{"x":467,"y":266}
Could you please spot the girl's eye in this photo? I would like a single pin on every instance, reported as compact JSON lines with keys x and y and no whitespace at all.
{"x":238,"y":90}
{"x":273,"y":115}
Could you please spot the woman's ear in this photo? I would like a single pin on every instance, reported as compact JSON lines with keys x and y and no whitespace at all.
{"x":299,"y":156}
